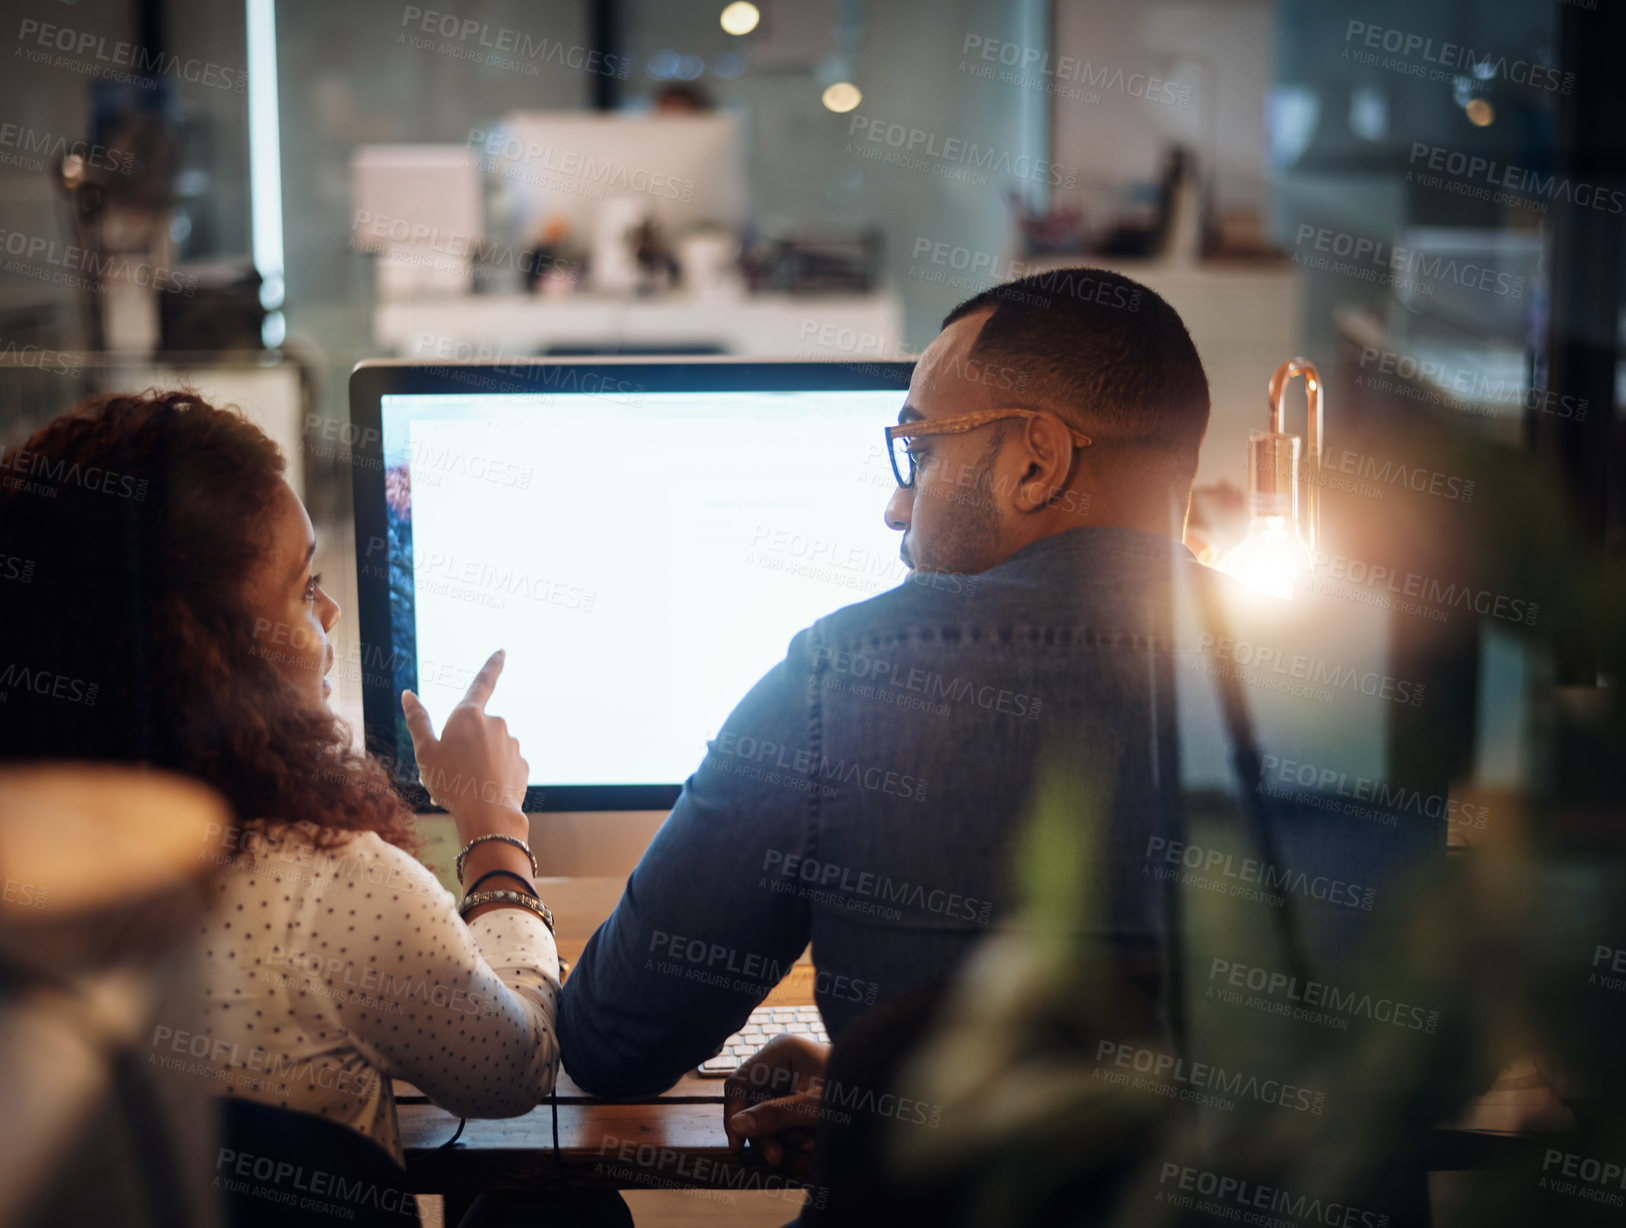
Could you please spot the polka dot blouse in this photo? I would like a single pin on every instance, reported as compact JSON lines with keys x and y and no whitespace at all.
{"x":329,"y":972}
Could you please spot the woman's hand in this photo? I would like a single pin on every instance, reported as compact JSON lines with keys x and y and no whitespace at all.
{"x":474,"y":768}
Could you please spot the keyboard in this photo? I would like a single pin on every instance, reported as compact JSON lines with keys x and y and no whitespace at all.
{"x":765,"y":1023}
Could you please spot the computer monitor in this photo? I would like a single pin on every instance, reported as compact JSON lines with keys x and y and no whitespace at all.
{"x":683,"y":170}
{"x":422,"y":209}
{"x":416,"y":196}
{"x":643,"y":537}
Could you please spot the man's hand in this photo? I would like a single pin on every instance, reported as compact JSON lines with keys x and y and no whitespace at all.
{"x":773,"y":1099}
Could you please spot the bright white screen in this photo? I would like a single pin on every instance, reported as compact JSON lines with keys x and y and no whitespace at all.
{"x":643,"y":564}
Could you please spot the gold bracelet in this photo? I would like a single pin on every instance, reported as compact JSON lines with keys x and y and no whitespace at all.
{"x":514,"y":840}
{"x":512,"y":898}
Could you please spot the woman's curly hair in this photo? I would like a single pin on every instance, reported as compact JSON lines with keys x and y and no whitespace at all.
{"x":128,"y":531}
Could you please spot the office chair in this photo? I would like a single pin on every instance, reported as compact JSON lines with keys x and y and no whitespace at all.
{"x":318,"y":1173}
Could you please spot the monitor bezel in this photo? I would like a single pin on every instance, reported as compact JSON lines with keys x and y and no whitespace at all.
{"x":373,"y":380}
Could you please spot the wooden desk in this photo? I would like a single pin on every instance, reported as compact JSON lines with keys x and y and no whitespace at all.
{"x":674,"y":1140}
{"x":671,"y":1141}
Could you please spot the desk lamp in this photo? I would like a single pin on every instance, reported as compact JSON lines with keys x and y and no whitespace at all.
{"x":1276,"y":557}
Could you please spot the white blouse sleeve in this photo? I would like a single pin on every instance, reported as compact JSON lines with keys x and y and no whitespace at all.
{"x":467,"y":1012}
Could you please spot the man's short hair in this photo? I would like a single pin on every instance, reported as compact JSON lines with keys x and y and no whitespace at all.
{"x":1104,"y":352}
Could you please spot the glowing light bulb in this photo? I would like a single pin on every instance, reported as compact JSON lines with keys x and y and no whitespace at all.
{"x":1272,"y":558}
{"x":842,"y":97}
{"x":740,"y":17}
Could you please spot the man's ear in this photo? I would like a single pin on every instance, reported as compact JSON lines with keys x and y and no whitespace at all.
{"x":1048,"y":456}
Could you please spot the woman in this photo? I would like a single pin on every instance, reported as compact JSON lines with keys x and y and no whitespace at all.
{"x":162,"y":610}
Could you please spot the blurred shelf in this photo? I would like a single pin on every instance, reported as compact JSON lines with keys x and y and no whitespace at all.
{"x":497,"y":326}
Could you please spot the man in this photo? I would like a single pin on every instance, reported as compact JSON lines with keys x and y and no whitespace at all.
{"x":863,"y":794}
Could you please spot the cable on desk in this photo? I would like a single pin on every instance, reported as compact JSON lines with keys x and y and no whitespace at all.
{"x":461,"y":1122}
{"x":553,"y":1101}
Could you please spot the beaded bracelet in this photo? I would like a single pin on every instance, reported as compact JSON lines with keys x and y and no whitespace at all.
{"x":515,"y":841}
{"x":511,"y":898}
{"x":524,"y":884}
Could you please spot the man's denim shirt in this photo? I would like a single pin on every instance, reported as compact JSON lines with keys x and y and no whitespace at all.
{"x":864,"y":796}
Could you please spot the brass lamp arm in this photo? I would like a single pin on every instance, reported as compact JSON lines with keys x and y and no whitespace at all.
{"x":1312,"y":397}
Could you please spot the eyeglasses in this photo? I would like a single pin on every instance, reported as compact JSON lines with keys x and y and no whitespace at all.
{"x":904,"y":465}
